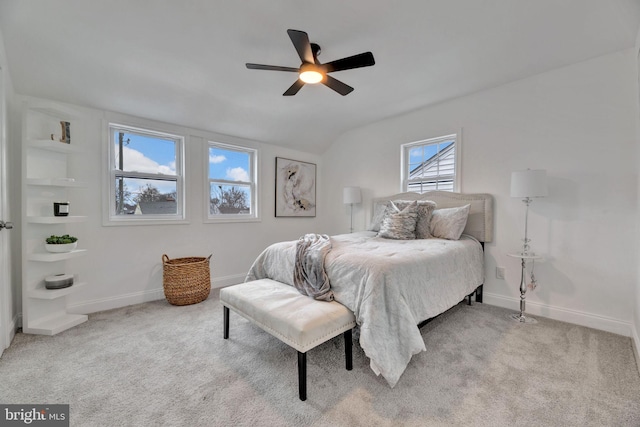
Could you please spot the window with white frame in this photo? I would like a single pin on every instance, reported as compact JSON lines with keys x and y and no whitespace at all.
{"x":146,"y":175}
{"x":232,"y":182}
{"x":431,"y":164}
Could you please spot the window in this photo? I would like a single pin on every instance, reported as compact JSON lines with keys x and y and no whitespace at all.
{"x":232,"y":183}
{"x":431,"y":164}
{"x":146,"y":175}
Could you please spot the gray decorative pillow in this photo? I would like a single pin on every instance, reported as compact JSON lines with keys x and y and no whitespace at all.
{"x":400,"y":225}
{"x":425,"y":210}
{"x":449,"y":223}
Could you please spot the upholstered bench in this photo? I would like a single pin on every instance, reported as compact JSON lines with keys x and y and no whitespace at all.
{"x":297,"y":320}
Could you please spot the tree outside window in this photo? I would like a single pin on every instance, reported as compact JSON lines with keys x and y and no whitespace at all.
{"x":231,"y":182}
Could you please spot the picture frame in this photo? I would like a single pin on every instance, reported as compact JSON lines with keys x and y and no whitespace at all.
{"x":295,"y":188}
{"x":66,"y":132}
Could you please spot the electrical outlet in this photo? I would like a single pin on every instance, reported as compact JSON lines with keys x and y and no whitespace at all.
{"x":500,"y":272}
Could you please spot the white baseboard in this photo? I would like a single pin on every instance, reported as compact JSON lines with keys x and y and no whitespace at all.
{"x":12,"y":327}
{"x":16,"y":323}
{"x":234,"y":279}
{"x":117,"y":301}
{"x":589,"y":320}
{"x":636,"y":345}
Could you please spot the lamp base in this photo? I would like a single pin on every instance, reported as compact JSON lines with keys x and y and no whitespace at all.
{"x":522,"y":318}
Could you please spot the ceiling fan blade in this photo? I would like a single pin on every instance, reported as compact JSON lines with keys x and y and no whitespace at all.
{"x":356,"y":61}
{"x":294,"y":88}
{"x":271,"y":67}
{"x":300,"y":41}
{"x":337,"y":85}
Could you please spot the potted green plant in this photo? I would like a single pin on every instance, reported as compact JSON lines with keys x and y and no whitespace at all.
{"x":64,"y":243}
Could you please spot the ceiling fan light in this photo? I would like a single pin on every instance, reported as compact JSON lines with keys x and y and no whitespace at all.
{"x":309,"y":74}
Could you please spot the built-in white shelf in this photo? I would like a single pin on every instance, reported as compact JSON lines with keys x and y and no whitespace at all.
{"x":55,"y":182}
{"x":55,"y":324}
{"x":48,"y":171}
{"x":41,"y":292}
{"x":52,"y":257}
{"x":57,"y":146}
{"x":55,"y":219}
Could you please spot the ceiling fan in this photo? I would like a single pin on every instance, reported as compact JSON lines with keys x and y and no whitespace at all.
{"x":312,"y":71}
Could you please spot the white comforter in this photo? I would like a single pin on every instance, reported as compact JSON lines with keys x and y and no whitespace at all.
{"x":390,"y":285}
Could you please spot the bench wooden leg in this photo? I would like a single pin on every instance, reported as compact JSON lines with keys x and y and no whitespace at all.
{"x":225,"y":310}
{"x":348,"y":349}
{"x":302,"y":375}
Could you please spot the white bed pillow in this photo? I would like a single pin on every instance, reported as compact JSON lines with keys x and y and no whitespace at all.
{"x":400,"y":225}
{"x":379,"y":212}
{"x":449,"y":223}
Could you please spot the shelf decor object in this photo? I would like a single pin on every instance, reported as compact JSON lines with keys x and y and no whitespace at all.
{"x":58,"y":281}
{"x":60,"y":208}
{"x":66,"y":132}
{"x":351,"y":196}
{"x":60,"y":248}
{"x":527,"y":185}
{"x":60,"y":244}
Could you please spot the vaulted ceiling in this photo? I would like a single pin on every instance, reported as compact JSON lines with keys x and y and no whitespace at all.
{"x":183,"y":62}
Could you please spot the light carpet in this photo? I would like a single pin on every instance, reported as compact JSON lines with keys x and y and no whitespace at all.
{"x":155,"y":364}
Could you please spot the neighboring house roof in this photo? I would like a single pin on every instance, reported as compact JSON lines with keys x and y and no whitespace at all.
{"x":217,"y":210}
{"x":436,"y":165}
{"x":165,"y":207}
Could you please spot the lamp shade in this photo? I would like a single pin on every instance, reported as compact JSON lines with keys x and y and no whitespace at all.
{"x":352,"y":195}
{"x":529,"y":183}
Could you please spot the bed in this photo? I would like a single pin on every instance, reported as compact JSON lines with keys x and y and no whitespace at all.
{"x":394,"y":285}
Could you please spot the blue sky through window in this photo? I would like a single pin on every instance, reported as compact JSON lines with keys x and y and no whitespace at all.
{"x":142,"y":153}
{"x":146,"y":154}
{"x":229,"y":165}
{"x":425,"y":152}
{"x":229,"y":176}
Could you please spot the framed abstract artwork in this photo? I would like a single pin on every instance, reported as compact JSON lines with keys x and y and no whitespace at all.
{"x":295,"y":188}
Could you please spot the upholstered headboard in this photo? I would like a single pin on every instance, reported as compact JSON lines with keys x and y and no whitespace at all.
{"x":480,"y":221}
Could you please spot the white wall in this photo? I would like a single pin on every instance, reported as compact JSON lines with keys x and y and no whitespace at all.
{"x":123,"y":264}
{"x":578,"y":123}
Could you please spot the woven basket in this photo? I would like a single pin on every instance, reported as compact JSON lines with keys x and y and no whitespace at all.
{"x":186,"y":280}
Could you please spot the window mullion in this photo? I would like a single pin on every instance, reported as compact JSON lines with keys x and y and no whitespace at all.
{"x":231,"y":183}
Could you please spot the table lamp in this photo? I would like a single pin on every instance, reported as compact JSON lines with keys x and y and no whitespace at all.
{"x":527,"y":185}
{"x":351,"y":196}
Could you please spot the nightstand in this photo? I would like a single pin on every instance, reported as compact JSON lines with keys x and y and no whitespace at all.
{"x":520,"y":317}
